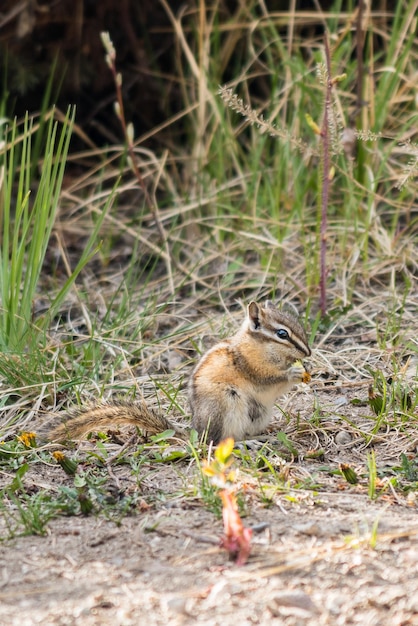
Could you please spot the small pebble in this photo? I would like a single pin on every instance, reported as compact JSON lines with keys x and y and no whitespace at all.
{"x":342,"y":438}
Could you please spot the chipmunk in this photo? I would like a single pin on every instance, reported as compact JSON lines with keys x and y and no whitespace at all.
{"x":232,"y":389}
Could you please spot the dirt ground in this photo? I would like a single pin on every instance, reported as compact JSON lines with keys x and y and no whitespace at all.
{"x":320,"y":557}
{"x":89,"y":571}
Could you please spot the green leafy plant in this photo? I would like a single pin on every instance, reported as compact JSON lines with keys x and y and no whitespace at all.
{"x":391,"y":397}
{"x":24,"y":513}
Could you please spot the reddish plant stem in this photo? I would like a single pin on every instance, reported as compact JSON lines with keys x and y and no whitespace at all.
{"x":360,"y":35}
{"x":325,"y":182}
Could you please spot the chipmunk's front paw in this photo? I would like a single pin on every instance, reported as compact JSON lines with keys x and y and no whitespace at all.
{"x":298,"y":373}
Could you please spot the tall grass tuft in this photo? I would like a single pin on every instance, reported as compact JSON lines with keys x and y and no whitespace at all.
{"x":28,"y":208}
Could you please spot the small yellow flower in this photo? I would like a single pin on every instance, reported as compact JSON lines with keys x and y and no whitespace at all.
{"x":68,"y":465}
{"x":28,"y":439}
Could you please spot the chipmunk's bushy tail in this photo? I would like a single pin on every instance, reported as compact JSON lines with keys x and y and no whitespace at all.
{"x":78,"y":422}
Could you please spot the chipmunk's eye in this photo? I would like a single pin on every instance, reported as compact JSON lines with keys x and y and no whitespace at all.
{"x":282,"y":333}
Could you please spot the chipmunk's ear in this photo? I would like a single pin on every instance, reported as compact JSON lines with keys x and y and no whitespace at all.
{"x":254,"y":315}
{"x":269,"y":305}
{"x":289,"y":309}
